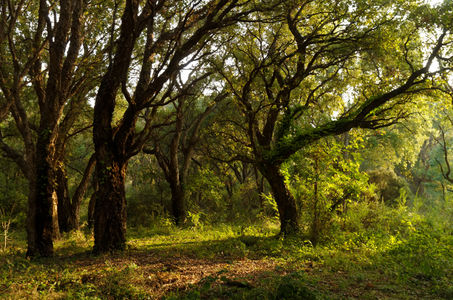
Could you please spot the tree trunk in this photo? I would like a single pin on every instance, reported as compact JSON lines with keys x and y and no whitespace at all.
{"x":110,"y":206}
{"x":91,"y":205}
{"x":64,"y":202}
{"x":69,"y":209}
{"x":286,"y":203}
{"x":80,"y":193}
{"x":55,"y":225}
{"x":112,"y":145}
{"x":173,"y":176}
{"x":32,"y":246}
{"x":178,"y":203}
{"x":42,"y":197}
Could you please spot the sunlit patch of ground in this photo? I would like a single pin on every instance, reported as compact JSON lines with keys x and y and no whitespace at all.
{"x":159,"y":276}
{"x":225,"y":264}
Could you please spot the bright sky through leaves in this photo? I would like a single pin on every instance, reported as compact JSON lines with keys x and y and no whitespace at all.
{"x":434,"y":2}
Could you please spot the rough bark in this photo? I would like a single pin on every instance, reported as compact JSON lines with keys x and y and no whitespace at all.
{"x":48,"y":56}
{"x":115,"y":146}
{"x":45,"y":195}
{"x":32,"y":246}
{"x":64,"y":45}
{"x":178,"y":203}
{"x":111,"y":167}
{"x":51,"y":108}
{"x":110,"y":208}
{"x":286,"y":203}
{"x":265,"y":88}
{"x":176,"y":176}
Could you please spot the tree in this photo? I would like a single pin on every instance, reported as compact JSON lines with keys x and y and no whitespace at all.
{"x":45,"y":69}
{"x":224,"y":149}
{"x":174,"y":147}
{"x":69,"y":207}
{"x":320,"y":69}
{"x":173,"y":34}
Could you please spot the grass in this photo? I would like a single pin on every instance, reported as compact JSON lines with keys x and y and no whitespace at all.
{"x":234,"y":262}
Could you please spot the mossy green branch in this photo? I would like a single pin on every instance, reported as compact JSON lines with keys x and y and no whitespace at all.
{"x":290,"y":145}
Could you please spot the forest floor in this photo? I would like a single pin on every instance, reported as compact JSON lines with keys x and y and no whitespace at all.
{"x":233,"y":262}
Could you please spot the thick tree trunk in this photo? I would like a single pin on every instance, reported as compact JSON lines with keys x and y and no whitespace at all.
{"x":32,"y":246}
{"x":286,"y":203}
{"x":53,"y":88}
{"x":110,"y":206}
{"x":42,"y":201}
{"x":178,"y":203}
{"x":111,"y":145}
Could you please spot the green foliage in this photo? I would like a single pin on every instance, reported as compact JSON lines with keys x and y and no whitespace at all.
{"x":118,"y":283}
{"x":424,"y":255}
{"x":388,"y":185}
{"x":375,"y":251}
{"x":205,"y":193}
{"x":376,"y":206}
{"x":13,"y":193}
{"x":293,"y":286}
{"x":148,"y":195}
{"x":270,"y":207}
{"x":326,"y":179}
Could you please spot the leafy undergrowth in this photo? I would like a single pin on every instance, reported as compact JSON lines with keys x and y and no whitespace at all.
{"x":233,"y":262}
